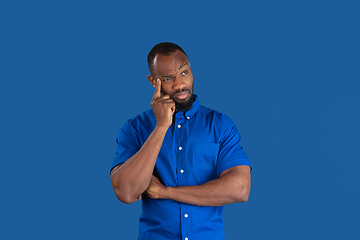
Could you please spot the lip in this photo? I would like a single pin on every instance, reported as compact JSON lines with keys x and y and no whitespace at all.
{"x":182,"y":95}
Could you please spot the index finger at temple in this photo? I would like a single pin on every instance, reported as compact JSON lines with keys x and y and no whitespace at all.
{"x":157,"y":93}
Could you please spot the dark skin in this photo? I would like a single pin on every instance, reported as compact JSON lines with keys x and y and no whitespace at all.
{"x":175,"y":75}
{"x":173,"y":82}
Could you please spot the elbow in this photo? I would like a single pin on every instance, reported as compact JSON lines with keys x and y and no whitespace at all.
{"x":243,"y":198}
{"x":123,"y":197}
{"x":123,"y":193}
{"x":242,"y":194}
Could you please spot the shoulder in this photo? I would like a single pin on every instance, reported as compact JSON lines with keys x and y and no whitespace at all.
{"x":215,"y":116}
{"x":143,"y":116}
{"x":145,"y":119}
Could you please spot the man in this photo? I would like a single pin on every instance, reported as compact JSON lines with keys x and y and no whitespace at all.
{"x":183,"y":160}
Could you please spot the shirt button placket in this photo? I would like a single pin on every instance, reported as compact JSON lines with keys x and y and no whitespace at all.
{"x":180,"y":129}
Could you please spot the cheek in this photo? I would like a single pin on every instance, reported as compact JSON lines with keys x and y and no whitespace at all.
{"x":166,"y":88}
{"x":189,"y":79}
{"x":189,"y":75}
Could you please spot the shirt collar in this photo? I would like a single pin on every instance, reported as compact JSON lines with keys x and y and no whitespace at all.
{"x":190,"y":112}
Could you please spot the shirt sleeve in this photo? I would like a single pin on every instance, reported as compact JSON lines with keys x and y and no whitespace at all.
{"x":127,"y":144}
{"x":231,"y":153}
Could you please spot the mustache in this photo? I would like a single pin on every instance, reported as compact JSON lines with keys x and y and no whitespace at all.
{"x":180,"y":91}
{"x":177,"y":91}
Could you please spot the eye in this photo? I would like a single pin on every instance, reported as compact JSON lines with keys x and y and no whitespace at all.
{"x":184,"y":73}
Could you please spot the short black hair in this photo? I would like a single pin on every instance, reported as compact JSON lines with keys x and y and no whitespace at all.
{"x":164,"y":48}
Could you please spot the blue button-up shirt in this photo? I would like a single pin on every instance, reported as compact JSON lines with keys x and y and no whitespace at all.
{"x":199,"y":145}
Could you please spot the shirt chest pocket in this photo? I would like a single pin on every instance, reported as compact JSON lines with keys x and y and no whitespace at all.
{"x":205,"y":162}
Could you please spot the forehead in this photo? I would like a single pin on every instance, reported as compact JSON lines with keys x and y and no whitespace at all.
{"x":165,"y":65}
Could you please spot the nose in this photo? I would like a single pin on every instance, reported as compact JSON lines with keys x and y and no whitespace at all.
{"x":178,"y":83}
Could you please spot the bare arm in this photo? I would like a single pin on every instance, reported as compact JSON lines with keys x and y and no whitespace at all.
{"x":233,"y":185}
{"x":132,"y":178}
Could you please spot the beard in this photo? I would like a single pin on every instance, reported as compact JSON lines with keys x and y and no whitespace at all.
{"x":185,"y":104}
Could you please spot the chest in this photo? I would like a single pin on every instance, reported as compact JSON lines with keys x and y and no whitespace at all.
{"x":189,"y":153}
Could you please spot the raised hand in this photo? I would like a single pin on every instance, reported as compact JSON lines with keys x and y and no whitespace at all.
{"x":163,"y":107}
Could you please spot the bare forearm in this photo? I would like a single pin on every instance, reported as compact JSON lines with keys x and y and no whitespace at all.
{"x":229,"y":188}
{"x":132,"y":178}
{"x":201,"y":195}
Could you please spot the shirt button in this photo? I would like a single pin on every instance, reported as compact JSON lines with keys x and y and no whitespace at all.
{"x":179,"y":126}
{"x":182,"y":171}
{"x":180,"y":148}
{"x":186,"y":238}
{"x":188,"y":117}
{"x":186,"y":215}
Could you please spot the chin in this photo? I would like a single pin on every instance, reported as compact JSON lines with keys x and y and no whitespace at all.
{"x":184,"y":104}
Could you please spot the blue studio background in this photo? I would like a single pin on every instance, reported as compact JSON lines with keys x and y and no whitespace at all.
{"x":286,"y":72}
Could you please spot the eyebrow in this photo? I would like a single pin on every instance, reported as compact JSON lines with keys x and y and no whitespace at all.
{"x":183,"y":65}
{"x":179,"y":69}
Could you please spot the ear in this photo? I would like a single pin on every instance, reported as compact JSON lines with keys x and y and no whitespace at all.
{"x":152,"y":80}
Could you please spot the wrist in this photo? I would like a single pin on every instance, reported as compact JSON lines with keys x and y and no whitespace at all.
{"x":161,"y":128}
{"x":166,"y":194}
